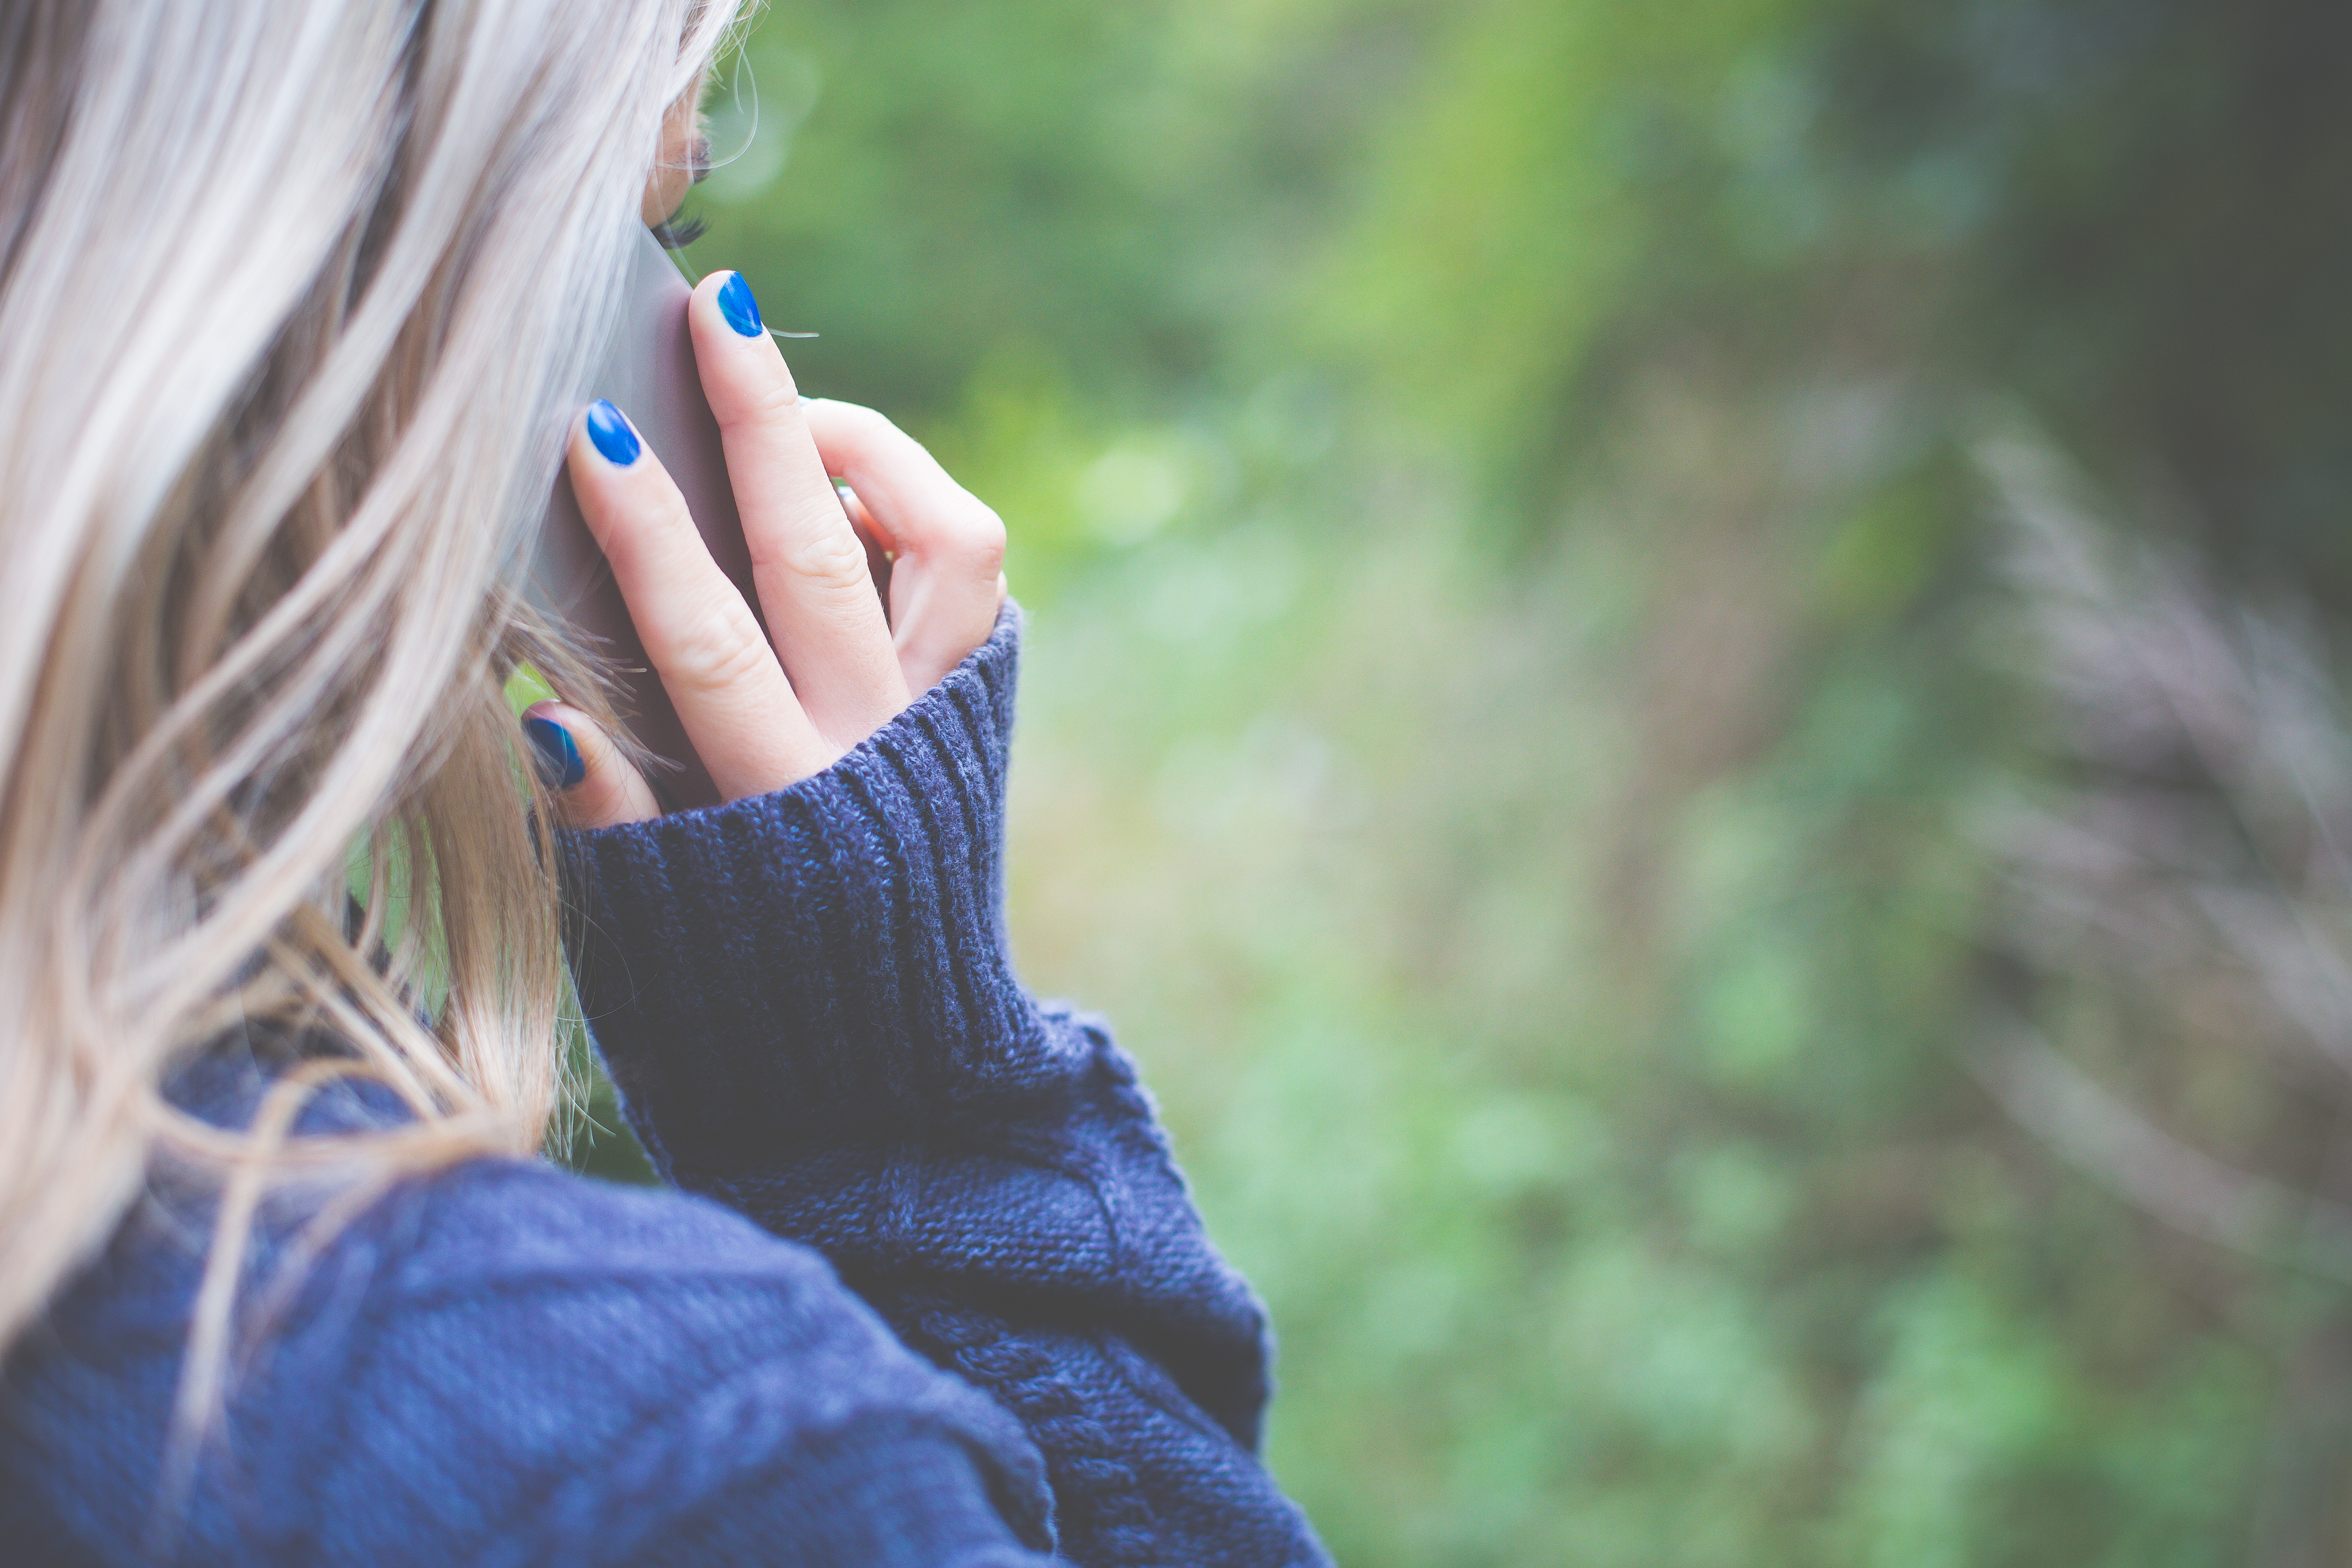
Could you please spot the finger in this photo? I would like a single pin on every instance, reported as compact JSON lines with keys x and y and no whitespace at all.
{"x":594,"y":785}
{"x":702,"y":640}
{"x":878,"y":547}
{"x":948,"y":549}
{"x":807,"y":563}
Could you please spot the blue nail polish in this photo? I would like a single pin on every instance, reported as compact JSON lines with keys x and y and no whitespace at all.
{"x":560,"y":762}
{"x":743,"y":311}
{"x":612,"y":435}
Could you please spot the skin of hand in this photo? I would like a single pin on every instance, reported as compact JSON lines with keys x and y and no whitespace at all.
{"x":873,"y":592}
{"x":844,"y":658}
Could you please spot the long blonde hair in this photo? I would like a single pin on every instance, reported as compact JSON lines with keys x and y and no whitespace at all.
{"x":293,"y":308}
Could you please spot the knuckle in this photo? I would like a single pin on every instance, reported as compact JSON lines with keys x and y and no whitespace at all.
{"x":983,"y":534}
{"x":829,"y":558}
{"x":714,"y":651}
{"x":971,"y":539}
{"x":765,"y":407}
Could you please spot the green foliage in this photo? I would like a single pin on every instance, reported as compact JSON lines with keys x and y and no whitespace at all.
{"x":1512,"y":677}
{"x":2148,"y":204}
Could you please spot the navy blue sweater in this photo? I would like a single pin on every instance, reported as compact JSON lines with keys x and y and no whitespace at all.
{"x":929,"y":1291}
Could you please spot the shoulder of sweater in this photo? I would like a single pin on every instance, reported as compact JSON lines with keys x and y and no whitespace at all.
{"x":507,"y":1226}
{"x":497,"y":1356}
{"x":573,"y":1358}
{"x":494,"y":1260}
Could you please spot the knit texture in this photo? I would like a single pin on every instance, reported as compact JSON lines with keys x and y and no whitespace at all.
{"x":806,"y":1000}
{"x":808,"y":1004}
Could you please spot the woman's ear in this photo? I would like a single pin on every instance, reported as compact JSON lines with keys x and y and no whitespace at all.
{"x":685,"y":156}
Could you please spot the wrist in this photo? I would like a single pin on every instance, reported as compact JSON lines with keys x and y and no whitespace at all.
{"x":820,"y":964}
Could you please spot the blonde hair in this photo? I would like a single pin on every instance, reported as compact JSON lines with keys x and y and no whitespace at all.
{"x":292,"y":319}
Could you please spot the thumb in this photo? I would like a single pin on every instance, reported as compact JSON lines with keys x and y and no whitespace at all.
{"x":593,"y":785}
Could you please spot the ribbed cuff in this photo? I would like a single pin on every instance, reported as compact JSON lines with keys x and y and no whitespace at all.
{"x":823,"y":965}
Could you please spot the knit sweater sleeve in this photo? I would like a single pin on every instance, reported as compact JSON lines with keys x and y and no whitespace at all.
{"x":807,"y":1001}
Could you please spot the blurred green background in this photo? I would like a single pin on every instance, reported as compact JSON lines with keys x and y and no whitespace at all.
{"x":1681,"y":693}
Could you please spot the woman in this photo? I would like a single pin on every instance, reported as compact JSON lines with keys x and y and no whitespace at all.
{"x":287,"y":307}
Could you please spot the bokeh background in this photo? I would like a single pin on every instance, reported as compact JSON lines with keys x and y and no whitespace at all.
{"x":1683,"y":692}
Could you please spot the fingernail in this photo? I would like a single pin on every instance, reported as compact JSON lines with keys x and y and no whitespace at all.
{"x":743,"y":311}
{"x":559,"y":763}
{"x":609,"y":429}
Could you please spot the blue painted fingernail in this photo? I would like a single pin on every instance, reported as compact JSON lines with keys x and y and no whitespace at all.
{"x":611,"y":432}
{"x":743,"y":311}
{"x":559,"y":763}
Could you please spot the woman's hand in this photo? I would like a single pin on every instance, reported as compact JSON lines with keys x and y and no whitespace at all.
{"x":764,"y":714}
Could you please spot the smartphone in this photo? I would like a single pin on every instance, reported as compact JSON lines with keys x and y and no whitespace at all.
{"x":649,"y":373}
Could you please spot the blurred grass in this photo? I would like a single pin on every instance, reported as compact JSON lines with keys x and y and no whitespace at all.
{"x":1514,"y":658}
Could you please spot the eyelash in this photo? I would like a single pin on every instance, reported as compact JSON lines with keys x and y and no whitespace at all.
{"x":677,"y":234}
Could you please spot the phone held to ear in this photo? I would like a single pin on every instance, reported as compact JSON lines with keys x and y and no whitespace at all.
{"x":650,"y":373}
